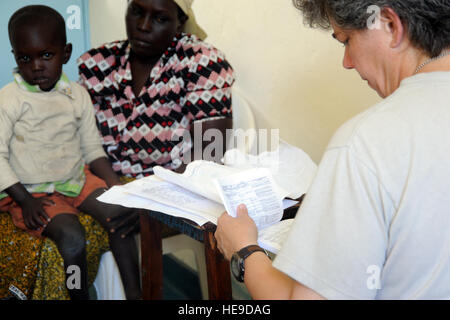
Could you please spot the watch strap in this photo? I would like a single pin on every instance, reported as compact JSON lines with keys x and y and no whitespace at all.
{"x":245,"y":252}
{"x":239,"y":259}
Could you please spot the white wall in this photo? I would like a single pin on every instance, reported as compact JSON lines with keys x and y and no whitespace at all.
{"x":292,"y":75}
{"x":107,"y":19}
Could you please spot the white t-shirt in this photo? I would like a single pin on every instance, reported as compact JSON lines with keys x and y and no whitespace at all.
{"x":375,"y":223}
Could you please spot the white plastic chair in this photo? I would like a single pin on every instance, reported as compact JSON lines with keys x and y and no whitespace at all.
{"x":243,"y":121}
{"x":108,"y":282}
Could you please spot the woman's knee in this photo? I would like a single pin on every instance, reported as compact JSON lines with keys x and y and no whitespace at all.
{"x":106,"y":214}
{"x":110,"y":217}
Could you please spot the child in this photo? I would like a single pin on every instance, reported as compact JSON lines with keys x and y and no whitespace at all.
{"x":47,"y":135}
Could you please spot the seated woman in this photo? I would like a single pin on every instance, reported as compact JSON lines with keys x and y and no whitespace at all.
{"x":150,"y":89}
{"x":145,"y":89}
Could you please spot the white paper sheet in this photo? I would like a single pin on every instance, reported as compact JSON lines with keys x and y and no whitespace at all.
{"x":169,"y":194}
{"x":292,"y":169}
{"x":120,"y":196}
{"x":198,"y":177}
{"x":256,"y":189}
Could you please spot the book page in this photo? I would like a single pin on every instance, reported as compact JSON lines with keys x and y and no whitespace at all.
{"x":198,"y":177}
{"x":172,"y":195}
{"x":120,"y":196}
{"x":256,"y":189}
{"x":272,"y":238}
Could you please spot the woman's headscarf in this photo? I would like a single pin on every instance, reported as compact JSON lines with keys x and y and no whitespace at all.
{"x":191,"y":25}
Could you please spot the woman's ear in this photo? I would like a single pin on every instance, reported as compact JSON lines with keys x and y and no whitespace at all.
{"x":67,"y":52}
{"x":394,"y":26}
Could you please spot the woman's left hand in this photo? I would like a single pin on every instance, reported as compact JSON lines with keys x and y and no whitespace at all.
{"x":125,"y":223}
{"x":233,"y":234}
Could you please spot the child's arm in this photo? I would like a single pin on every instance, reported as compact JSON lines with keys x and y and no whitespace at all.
{"x":33,"y":212}
{"x":101,"y":167}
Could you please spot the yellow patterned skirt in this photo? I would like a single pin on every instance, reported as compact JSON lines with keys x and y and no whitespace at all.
{"x":35,"y":267}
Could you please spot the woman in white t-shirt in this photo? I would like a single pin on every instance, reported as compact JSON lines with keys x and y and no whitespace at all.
{"x":375,"y":222}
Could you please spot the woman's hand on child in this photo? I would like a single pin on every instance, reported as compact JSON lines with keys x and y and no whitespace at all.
{"x":126,"y":222}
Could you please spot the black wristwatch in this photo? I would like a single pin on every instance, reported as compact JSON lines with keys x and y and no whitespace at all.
{"x":238,"y":259}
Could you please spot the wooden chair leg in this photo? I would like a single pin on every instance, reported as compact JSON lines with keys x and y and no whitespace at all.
{"x":151,"y":256}
{"x":218,"y":270}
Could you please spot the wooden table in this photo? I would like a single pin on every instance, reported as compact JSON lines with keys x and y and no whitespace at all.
{"x":217,"y":268}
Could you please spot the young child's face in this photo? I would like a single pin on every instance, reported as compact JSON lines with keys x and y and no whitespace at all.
{"x":40,"y":55}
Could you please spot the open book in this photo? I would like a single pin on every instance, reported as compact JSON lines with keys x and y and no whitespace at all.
{"x":206,"y":190}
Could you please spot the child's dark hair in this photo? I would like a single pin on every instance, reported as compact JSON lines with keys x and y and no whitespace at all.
{"x":35,"y":14}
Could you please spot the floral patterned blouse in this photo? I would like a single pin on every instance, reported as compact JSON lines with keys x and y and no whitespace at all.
{"x":192,"y":81}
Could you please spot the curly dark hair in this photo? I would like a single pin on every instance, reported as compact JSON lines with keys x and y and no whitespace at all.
{"x":426,"y":21}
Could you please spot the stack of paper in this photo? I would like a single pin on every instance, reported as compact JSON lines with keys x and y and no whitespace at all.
{"x":206,"y":190}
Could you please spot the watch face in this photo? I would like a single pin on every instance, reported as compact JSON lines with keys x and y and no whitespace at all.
{"x":235,"y":267}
